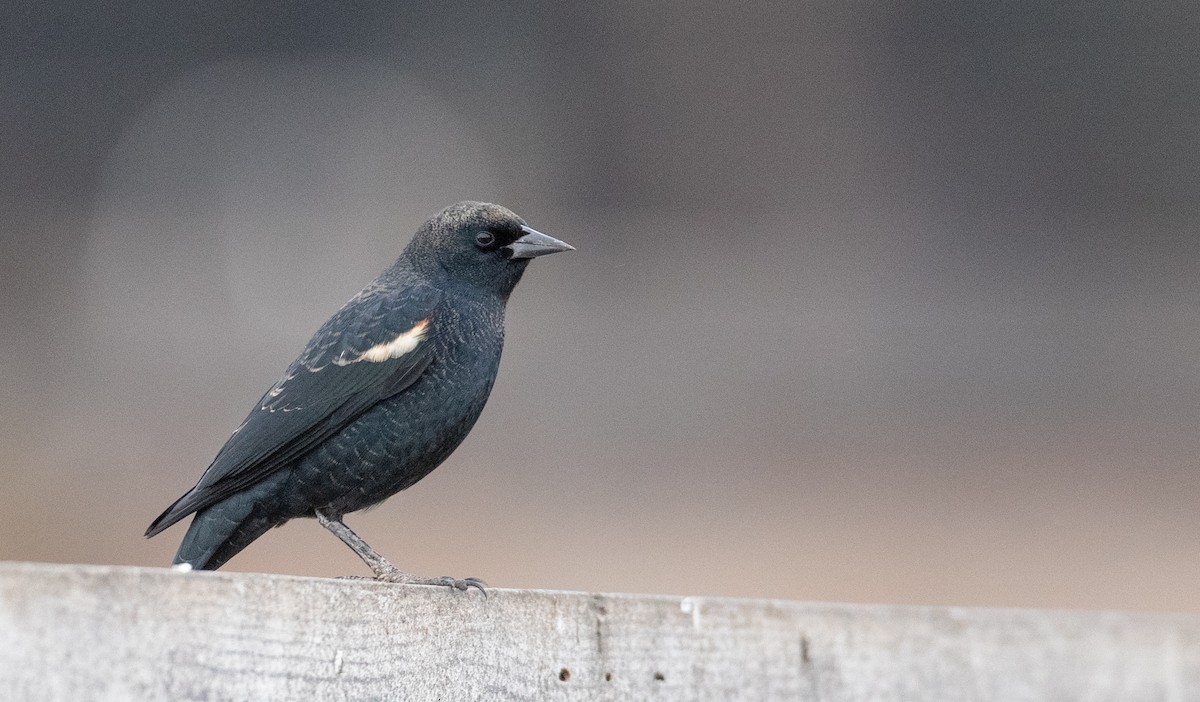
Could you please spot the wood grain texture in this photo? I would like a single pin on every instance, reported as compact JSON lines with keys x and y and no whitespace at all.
{"x":71,"y":632}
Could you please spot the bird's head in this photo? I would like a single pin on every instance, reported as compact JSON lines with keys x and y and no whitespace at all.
{"x":480,"y":244}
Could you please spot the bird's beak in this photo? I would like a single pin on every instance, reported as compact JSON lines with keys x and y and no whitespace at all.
{"x":535,"y":243}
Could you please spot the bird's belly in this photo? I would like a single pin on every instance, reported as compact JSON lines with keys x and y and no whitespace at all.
{"x":395,"y":443}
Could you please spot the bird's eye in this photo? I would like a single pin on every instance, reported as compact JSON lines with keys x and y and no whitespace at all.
{"x":485,"y":238}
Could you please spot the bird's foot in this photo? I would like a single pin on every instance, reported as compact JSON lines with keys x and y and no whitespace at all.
{"x":382,"y":567}
{"x":463,"y":584}
{"x":395,"y":575}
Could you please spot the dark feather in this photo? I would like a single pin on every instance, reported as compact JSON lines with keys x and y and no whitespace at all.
{"x":326,"y":388}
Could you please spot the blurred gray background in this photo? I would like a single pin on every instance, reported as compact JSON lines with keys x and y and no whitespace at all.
{"x":886,"y":302}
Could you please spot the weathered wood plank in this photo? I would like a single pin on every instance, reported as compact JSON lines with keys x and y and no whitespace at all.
{"x":118,"y":633}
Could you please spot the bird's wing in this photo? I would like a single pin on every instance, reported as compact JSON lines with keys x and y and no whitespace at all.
{"x":371,"y":349}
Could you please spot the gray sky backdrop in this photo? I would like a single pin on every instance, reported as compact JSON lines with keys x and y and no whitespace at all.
{"x":873,"y":301}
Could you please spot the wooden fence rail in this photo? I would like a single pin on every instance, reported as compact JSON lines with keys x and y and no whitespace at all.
{"x":71,"y":632}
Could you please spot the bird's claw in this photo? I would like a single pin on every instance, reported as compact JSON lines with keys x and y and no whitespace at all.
{"x":462,"y":585}
{"x":467,"y":583}
{"x":398,"y":576}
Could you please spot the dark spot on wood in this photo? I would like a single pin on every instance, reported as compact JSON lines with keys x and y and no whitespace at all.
{"x":659,"y":677}
{"x":804,"y":657}
{"x":564,"y":675}
{"x":601,"y":612}
{"x":608,"y":677}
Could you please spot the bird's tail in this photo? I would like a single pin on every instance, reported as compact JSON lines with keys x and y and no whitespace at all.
{"x":219,"y":532}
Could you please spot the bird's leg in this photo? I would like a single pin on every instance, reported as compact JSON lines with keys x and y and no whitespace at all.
{"x":382,"y":567}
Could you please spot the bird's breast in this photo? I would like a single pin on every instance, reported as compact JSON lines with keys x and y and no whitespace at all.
{"x":400,"y":440}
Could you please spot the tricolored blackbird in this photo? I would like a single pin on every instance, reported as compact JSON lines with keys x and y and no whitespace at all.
{"x":383,"y":393}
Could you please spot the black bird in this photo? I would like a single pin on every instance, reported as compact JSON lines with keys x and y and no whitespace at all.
{"x":383,"y":393}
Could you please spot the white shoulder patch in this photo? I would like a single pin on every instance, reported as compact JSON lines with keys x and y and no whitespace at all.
{"x":402,"y":344}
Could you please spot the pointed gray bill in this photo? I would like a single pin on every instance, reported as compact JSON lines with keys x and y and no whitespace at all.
{"x":535,"y":243}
